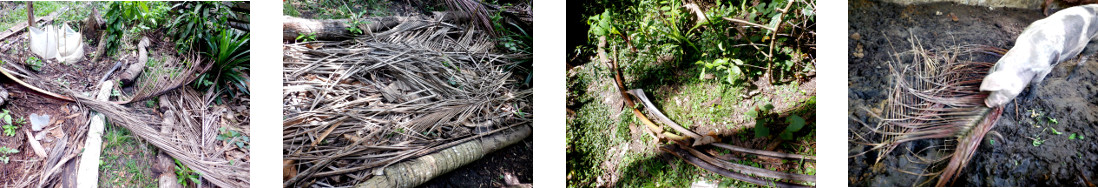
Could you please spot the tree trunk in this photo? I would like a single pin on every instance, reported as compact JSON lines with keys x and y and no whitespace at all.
{"x":336,"y":29}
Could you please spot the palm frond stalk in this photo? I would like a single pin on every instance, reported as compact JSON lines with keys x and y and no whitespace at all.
{"x":934,"y":96}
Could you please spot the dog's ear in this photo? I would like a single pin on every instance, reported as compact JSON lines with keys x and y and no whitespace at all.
{"x":998,"y":81}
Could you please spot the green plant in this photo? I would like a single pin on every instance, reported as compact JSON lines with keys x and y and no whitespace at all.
{"x":183,"y":173}
{"x":195,"y":21}
{"x":233,"y":137}
{"x":9,"y":125}
{"x":129,"y":17}
{"x":356,"y":22}
{"x":795,"y":124}
{"x":760,"y":124}
{"x":230,"y":54}
{"x":306,"y":37}
{"x":729,"y":67}
{"x":600,"y":24}
{"x":4,"y":152}
{"x":34,"y":63}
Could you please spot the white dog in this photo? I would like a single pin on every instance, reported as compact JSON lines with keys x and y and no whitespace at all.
{"x":1041,"y":46}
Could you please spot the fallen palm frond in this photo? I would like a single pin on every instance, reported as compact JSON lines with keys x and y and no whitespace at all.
{"x":701,"y":160}
{"x":355,"y":107}
{"x":934,"y":96}
{"x":193,"y":139}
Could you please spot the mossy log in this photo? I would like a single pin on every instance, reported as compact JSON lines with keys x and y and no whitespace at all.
{"x":418,"y":171}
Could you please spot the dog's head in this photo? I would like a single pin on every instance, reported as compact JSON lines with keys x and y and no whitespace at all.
{"x":1003,"y":87}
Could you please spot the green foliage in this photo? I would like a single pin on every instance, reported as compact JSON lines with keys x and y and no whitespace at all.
{"x":356,"y":22}
{"x":34,"y":63}
{"x":10,"y":123}
{"x":729,"y":68}
{"x":233,"y":137}
{"x":760,"y":124}
{"x":600,"y":24}
{"x":183,"y":173}
{"x":125,"y":18}
{"x":231,"y":55}
{"x":305,"y":37}
{"x":4,"y":152}
{"x":195,"y":21}
{"x":795,"y":124}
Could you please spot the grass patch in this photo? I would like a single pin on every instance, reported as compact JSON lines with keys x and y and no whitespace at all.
{"x":126,"y":161}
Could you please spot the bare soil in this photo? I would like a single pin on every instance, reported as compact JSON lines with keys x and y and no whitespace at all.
{"x":515,"y":160}
{"x":1033,"y":150}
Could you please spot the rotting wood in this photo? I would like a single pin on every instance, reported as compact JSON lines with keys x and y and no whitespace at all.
{"x":164,"y":163}
{"x":418,"y":171}
{"x":37,"y":147}
{"x":88,"y":174}
{"x":134,"y":70}
{"x":336,"y":29}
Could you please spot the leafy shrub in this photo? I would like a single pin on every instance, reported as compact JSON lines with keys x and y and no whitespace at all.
{"x":34,"y":63}
{"x":129,"y":17}
{"x":10,"y":123}
{"x":183,"y":173}
{"x":194,"y":22}
{"x":233,"y":137}
{"x":230,"y":54}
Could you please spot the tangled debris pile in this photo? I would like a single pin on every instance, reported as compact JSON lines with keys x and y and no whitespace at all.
{"x":933,"y":97}
{"x":354,"y":107}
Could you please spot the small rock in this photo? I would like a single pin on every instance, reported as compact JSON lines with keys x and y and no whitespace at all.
{"x":3,"y":95}
{"x":939,"y":13}
{"x":856,"y":36}
{"x":39,"y":121}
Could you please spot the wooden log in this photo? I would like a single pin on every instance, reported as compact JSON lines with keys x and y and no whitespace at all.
{"x":164,"y":163}
{"x":418,"y":171}
{"x":135,"y":69}
{"x":88,"y":172}
{"x":336,"y":29}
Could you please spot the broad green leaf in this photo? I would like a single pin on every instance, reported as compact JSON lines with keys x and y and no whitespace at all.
{"x":795,"y":123}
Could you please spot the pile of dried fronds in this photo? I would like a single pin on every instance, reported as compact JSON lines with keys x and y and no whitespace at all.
{"x":356,"y":106}
{"x":934,"y":96}
{"x":192,"y":139}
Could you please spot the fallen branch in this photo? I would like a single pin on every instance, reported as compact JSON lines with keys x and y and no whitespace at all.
{"x":763,"y":152}
{"x":698,"y":139}
{"x":686,"y":156}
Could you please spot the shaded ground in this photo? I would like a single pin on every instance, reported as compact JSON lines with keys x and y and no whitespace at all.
{"x":1036,"y":148}
{"x":515,"y":160}
{"x":631,"y":156}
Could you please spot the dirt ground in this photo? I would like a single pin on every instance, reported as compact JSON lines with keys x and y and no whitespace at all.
{"x":1036,"y":147}
{"x":515,"y":160}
